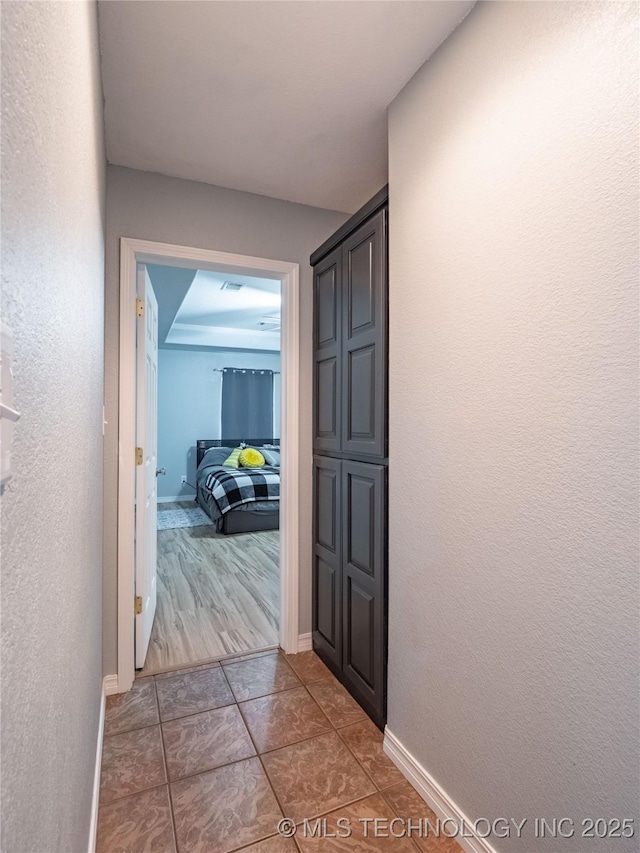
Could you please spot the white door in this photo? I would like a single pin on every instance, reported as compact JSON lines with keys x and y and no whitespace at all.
{"x":147,"y":440}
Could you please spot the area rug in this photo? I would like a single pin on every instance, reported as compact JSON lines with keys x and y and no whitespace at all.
{"x":171,"y":518}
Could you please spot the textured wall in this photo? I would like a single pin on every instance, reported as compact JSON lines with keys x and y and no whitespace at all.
{"x":513,"y":375}
{"x":189,"y":398}
{"x":171,"y":210}
{"x":53,"y":298}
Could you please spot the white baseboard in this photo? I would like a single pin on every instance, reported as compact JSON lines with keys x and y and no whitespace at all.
{"x":110,"y":685}
{"x":304,"y":643}
{"x":95,"y":799}
{"x":173,"y":498}
{"x":435,"y":796}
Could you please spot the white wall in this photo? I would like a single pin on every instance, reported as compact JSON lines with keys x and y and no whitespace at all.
{"x":513,"y":661}
{"x":53,"y":298}
{"x":189,"y":406}
{"x":171,"y":210}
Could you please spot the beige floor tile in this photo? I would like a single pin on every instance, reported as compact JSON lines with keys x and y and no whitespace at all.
{"x":316,"y":776}
{"x":131,"y":762}
{"x":193,"y":692}
{"x":283,"y":718}
{"x":308,"y":666}
{"x":407,"y":803}
{"x":224,"y":809}
{"x":341,"y":708}
{"x":131,"y":710}
{"x":260,"y":676}
{"x":204,"y":741}
{"x":140,"y":823}
{"x":364,"y":836}
{"x":364,"y":739}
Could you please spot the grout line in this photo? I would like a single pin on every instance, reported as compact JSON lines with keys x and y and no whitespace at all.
{"x":315,"y":701}
{"x":337,"y":808}
{"x":195,"y":713}
{"x":169,"y":793}
{"x":369,"y":775}
{"x":134,"y":729}
{"x":135,"y":793}
{"x":130,"y":731}
{"x":331,"y":723}
{"x":264,"y":770}
{"x":264,"y":695}
{"x":394,"y":811}
{"x":259,"y":841}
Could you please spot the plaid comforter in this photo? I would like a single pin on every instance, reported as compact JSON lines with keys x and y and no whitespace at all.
{"x":232,"y":488}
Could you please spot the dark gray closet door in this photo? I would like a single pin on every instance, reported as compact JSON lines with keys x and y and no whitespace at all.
{"x":327,"y":556}
{"x":327,"y":338}
{"x":364,"y":586}
{"x":364,"y":339}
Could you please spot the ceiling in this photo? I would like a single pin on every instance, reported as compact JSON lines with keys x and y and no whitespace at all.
{"x":170,"y":285}
{"x":196,"y":309}
{"x":285,"y":99}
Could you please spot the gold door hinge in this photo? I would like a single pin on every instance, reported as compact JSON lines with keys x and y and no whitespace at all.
{"x":137,"y":604}
{"x":139,"y":455}
{"x":139,"y":308}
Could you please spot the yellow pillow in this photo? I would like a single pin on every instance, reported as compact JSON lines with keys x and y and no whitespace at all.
{"x":251,"y":458}
{"x":233,"y":461}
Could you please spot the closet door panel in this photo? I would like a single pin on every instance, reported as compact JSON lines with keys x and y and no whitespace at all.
{"x":364,"y":583}
{"x":327,"y":559}
{"x":364,"y":339}
{"x":327,"y":346}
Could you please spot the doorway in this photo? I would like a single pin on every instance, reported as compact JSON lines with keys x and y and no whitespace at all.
{"x":135,"y":562}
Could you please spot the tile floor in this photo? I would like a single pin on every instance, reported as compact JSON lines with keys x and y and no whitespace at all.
{"x":208,"y":760}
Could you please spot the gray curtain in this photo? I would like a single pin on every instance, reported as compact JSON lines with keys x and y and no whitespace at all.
{"x":247,"y":403}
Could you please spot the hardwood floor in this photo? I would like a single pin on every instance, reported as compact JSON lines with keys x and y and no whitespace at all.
{"x":217,"y":595}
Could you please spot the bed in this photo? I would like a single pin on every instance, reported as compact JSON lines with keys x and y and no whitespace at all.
{"x":238,"y":500}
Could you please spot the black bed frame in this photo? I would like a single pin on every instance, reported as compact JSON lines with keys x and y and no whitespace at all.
{"x":203,"y":444}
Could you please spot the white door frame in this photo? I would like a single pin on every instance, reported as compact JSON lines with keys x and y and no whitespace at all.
{"x":133,"y":252}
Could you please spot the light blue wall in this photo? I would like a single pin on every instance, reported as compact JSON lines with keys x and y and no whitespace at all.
{"x":189,"y":393}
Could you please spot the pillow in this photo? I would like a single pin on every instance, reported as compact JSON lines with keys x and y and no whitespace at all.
{"x":271,"y":457}
{"x":251,"y":458}
{"x":233,"y":461}
{"x":216,"y":456}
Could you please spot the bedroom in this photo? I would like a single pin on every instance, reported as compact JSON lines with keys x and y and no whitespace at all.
{"x":218,"y":393}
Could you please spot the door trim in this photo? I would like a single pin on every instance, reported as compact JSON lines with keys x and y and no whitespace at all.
{"x":132,"y":252}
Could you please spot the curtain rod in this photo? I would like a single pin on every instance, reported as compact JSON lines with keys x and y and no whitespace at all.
{"x":245,"y":370}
